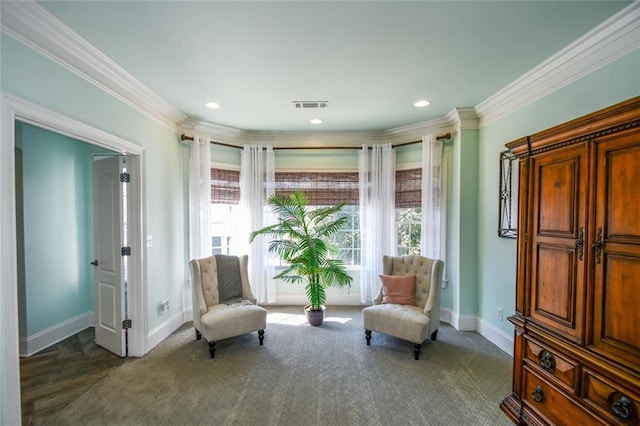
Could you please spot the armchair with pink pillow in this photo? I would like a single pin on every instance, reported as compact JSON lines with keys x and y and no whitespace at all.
{"x":408,"y":304}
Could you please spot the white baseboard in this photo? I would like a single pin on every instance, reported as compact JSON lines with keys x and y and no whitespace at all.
{"x":164,"y":330}
{"x":459,"y":322}
{"x":496,"y":336}
{"x":467,"y":323}
{"x":187,"y":315}
{"x":482,"y":327}
{"x":52,"y":335}
{"x":445,"y":315}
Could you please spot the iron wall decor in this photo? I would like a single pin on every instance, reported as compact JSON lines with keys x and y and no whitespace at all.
{"x":507,"y":203}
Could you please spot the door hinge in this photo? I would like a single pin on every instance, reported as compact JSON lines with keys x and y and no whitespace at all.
{"x":126,"y":324}
{"x":125,"y":251}
{"x":125,"y":177}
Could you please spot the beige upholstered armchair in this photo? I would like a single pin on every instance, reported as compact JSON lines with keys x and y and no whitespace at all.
{"x":223,"y":303}
{"x":404,"y":308}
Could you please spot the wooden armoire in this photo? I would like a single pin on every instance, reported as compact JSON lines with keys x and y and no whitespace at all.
{"x":577,"y":321}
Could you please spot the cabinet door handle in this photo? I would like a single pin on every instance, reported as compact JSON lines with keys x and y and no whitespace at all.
{"x":597,"y":246}
{"x":537,"y":394}
{"x":580,"y":243}
{"x":546,"y":360}
{"x":622,"y":407}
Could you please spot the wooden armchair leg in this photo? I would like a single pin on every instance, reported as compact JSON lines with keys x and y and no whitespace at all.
{"x":261,"y":336}
{"x":416,"y":350}
{"x":434,"y":335}
{"x":198,"y":335}
{"x":367,"y":334}
{"x":212,"y":349}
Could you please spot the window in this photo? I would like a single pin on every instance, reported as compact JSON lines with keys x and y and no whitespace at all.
{"x":348,"y":238}
{"x":327,"y":189}
{"x":225,"y":197}
{"x":408,"y":210}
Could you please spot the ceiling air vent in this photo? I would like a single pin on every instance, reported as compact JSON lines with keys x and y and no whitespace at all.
{"x":311,"y":104}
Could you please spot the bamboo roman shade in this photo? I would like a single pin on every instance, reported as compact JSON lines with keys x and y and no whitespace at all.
{"x":320,"y":188}
{"x":225,"y":186}
{"x":409,"y":188}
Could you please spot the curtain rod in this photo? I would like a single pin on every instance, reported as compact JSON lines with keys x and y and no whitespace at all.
{"x":445,"y":137}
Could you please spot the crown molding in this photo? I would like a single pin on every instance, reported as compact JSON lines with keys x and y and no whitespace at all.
{"x":463,"y":119}
{"x":329,"y":140}
{"x":32,"y":25}
{"x":239,"y":137}
{"x":611,"y":40}
{"x":217,"y":132}
{"x":414,"y":132}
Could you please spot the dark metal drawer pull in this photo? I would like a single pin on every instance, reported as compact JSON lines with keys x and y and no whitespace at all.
{"x":546,"y":360}
{"x":537,"y":394}
{"x":622,"y":407}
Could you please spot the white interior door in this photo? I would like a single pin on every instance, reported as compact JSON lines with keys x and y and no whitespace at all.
{"x":109,"y":266}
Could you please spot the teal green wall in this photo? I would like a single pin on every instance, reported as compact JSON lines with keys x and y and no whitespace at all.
{"x":57,"y":217}
{"x":467,"y":168}
{"x":462,"y":225}
{"x":35,"y":78}
{"x":317,"y":159}
{"x":614,"y":83}
{"x":225,"y":155}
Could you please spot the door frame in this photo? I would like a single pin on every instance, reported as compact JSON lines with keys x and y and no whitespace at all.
{"x":16,"y":109}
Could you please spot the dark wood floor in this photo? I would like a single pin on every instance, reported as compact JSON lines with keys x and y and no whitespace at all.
{"x":56,"y":376}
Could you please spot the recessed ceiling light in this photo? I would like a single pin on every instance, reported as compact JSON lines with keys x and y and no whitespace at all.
{"x":315,"y":121}
{"x":421,"y":103}
{"x":212,"y":105}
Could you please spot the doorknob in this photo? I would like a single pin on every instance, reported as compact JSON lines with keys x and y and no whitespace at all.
{"x":95,"y":262}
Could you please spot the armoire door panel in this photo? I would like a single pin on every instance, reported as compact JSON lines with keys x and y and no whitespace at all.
{"x":557,"y":189}
{"x":623,"y":193}
{"x":621,"y":319}
{"x":616,"y":277}
{"x":555,"y":286}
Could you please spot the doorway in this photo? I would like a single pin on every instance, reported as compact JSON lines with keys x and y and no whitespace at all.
{"x":17,"y":110}
{"x":55,"y":221}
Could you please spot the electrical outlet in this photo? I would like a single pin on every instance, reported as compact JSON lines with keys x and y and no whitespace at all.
{"x":500,"y":314}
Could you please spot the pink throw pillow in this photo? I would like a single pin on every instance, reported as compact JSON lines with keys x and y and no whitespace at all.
{"x":399,"y":289}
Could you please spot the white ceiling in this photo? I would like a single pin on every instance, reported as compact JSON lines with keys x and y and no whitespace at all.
{"x":370,"y":60}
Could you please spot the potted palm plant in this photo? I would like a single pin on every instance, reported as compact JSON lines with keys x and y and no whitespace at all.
{"x":301,"y":238}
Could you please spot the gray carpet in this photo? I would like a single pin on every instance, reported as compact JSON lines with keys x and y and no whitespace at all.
{"x":304,"y":375}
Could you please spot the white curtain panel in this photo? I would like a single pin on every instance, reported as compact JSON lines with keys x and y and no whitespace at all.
{"x":433,"y":207}
{"x":200,"y":198}
{"x":377,"y":174}
{"x":257,"y":176}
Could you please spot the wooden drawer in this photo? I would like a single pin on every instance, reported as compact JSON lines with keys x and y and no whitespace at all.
{"x":614,"y":402}
{"x":550,"y":362}
{"x":551,"y":403}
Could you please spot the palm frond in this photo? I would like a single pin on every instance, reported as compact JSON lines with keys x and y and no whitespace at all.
{"x":334,"y":274}
{"x":321,"y":213}
{"x":328,"y":229}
